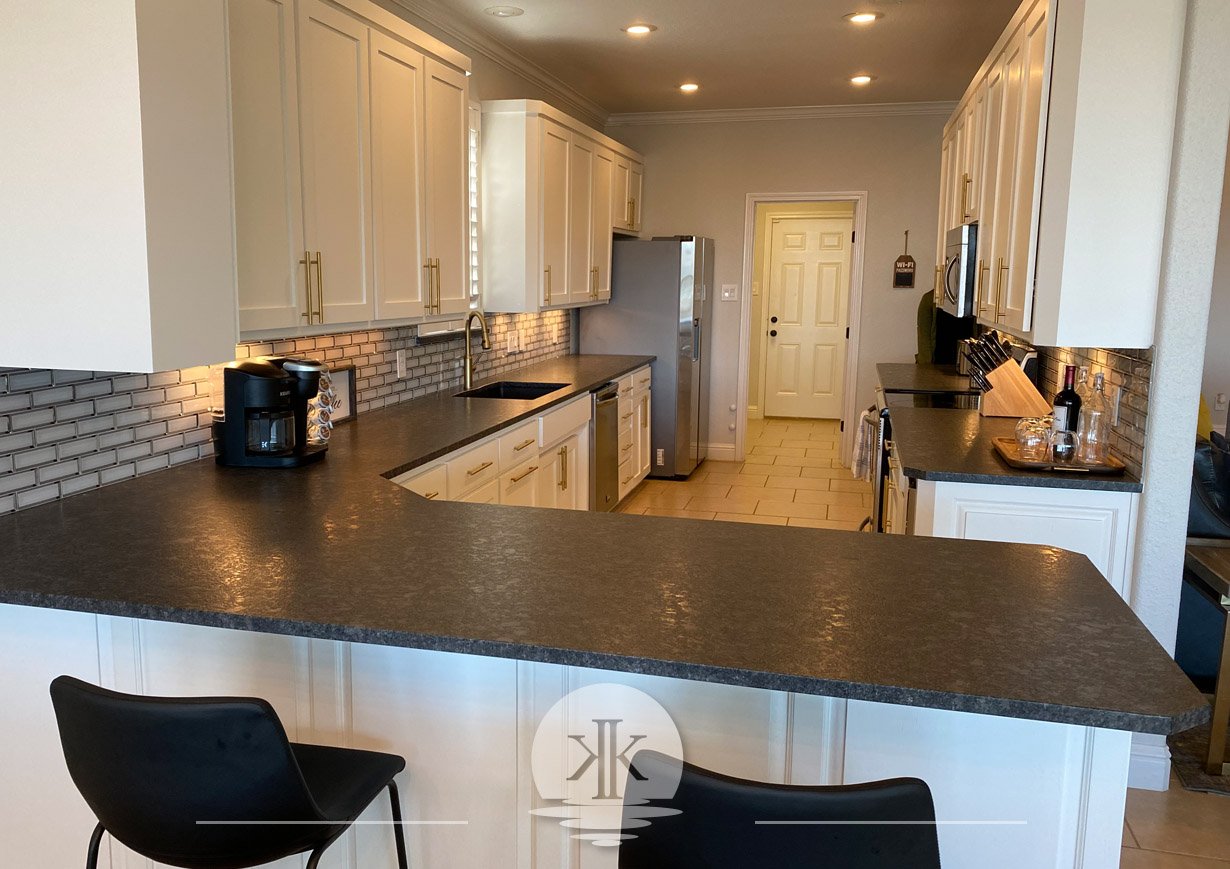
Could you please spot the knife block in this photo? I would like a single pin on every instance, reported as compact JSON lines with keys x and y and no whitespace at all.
{"x":1012,"y":394}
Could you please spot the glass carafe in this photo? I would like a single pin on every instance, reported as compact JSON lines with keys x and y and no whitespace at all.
{"x":1093,"y":432}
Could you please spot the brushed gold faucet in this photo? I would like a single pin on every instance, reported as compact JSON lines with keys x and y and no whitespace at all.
{"x":482,"y":322}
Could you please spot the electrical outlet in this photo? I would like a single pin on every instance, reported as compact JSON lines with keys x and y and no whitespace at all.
{"x":514,"y":341}
{"x":1220,"y":403}
{"x":730,"y":292}
{"x":401,"y":364}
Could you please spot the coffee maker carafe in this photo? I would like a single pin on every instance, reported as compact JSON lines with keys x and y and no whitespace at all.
{"x":264,"y":419}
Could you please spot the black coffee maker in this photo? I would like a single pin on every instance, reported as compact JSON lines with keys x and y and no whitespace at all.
{"x":264,"y":418}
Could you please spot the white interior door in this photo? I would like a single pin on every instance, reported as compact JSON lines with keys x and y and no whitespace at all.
{"x":333,"y":76}
{"x":809,"y":290}
{"x":448,"y":185}
{"x":397,"y":178}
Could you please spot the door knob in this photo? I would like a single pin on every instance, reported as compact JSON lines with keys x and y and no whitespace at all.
{"x":772,"y":333}
{"x":772,"y":319}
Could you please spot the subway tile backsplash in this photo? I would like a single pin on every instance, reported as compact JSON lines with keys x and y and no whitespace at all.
{"x":64,"y":432}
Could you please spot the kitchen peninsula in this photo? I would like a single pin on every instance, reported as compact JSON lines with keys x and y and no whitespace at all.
{"x":370,"y":616}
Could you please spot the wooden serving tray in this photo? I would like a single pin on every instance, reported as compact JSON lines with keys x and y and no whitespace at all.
{"x":1010,"y":452}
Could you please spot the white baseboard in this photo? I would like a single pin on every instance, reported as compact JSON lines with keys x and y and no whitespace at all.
{"x":754,"y":413}
{"x":721,"y":452}
{"x":1149,"y":766}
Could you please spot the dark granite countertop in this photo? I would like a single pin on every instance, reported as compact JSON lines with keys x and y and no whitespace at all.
{"x":954,"y":446}
{"x":908,"y":377}
{"x":337,"y":552}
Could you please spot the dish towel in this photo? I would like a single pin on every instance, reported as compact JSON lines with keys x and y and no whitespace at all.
{"x":864,"y":445}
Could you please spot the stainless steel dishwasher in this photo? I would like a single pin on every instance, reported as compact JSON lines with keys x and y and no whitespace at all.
{"x":604,"y":447}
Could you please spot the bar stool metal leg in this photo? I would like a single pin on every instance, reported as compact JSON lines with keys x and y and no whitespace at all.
{"x":1215,"y":761}
{"x":91,"y":857}
{"x":399,"y":834}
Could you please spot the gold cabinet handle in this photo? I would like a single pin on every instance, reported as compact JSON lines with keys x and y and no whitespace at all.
{"x":983,"y":270}
{"x":320,"y":287}
{"x":484,"y":466}
{"x":634,"y":213}
{"x":528,"y":471}
{"x":563,"y":468}
{"x":965,"y":183}
{"x":999,"y":291}
{"x":306,"y":262}
{"x":547,"y":279}
{"x":439,"y":304}
{"x":431,"y":495}
{"x":628,"y":213}
{"x":528,"y":442}
{"x":624,"y":449}
{"x":627,"y":479}
{"x":625,"y":416}
{"x":645,"y":412}
{"x":429,"y":289}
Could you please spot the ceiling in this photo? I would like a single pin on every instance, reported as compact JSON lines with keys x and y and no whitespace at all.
{"x":749,"y":54}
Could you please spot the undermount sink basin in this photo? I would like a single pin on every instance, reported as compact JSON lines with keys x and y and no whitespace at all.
{"x":512,"y":389}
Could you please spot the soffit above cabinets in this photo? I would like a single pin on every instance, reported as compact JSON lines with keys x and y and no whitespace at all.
{"x":744,"y":55}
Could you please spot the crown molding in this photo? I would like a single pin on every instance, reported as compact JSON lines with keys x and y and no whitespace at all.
{"x":781,"y":113}
{"x":564,"y":96}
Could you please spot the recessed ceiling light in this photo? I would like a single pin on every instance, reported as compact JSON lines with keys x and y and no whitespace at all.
{"x":862,"y":79}
{"x":689,"y":87}
{"x":864,"y":17}
{"x":504,"y":11}
{"x":640,"y":29}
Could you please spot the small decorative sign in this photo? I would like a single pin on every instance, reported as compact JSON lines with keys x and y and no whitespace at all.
{"x":903,"y":269}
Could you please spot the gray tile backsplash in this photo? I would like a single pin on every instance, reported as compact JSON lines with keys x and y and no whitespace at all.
{"x":64,"y":432}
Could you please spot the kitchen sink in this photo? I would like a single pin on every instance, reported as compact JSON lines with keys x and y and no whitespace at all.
{"x":512,"y":389}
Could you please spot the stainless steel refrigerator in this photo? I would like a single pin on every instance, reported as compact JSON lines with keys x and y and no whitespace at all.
{"x":662,"y":305}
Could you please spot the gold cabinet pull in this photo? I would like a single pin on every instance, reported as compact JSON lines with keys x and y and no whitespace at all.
{"x":484,"y":466}
{"x":428,"y":289}
{"x":563,"y":468}
{"x":624,"y":449}
{"x":633,"y":221}
{"x":625,"y":416}
{"x":306,"y":262}
{"x":431,"y":495}
{"x":547,"y":280}
{"x":528,"y":442}
{"x":645,"y":412}
{"x":965,"y":183}
{"x":320,"y":287}
{"x":628,"y":213}
{"x":627,"y":479}
{"x":528,"y":471}
{"x":436,"y":266}
{"x":999,"y":291}
{"x":983,"y":270}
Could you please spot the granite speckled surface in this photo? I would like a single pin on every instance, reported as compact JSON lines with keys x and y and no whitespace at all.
{"x":337,"y":552}
{"x":907,"y":377}
{"x":954,"y":446}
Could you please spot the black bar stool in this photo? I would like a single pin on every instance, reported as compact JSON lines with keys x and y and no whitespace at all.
{"x":730,"y":823}
{"x":153,"y":768}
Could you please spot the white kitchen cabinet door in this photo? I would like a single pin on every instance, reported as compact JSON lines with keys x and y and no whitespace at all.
{"x":401,"y":281}
{"x":333,"y":78}
{"x":554,"y":171}
{"x":581,"y":162}
{"x":643,"y":435}
{"x":432,"y":483}
{"x":600,"y":224}
{"x":1016,"y":308}
{"x":564,"y":475}
{"x":1004,"y":219}
{"x":988,"y":188}
{"x":447,"y":126}
{"x":621,"y":201}
{"x":268,"y":187}
{"x":519,"y":487}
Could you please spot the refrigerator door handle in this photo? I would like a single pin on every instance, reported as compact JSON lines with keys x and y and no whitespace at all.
{"x":696,"y":340}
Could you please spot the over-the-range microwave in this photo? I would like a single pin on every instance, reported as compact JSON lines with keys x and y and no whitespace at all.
{"x":957,"y":288}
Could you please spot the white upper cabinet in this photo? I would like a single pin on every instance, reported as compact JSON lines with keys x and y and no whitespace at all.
{"x":626,"y":196}
{"x":1075,"y":261}
{"x":119,"y":233}
{"x":552,"y":195}
{"x":350,"y":150}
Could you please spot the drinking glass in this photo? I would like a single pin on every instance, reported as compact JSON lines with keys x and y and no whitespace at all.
{"x":1033,"y":439}
{"x":1063,"y":447}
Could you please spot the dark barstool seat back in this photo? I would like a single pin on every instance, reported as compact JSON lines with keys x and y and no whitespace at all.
{"x":151,"y":768}
{"x":879,"y":825}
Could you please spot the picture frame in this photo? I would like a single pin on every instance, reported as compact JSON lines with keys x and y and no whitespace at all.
{"x":347,"y":404}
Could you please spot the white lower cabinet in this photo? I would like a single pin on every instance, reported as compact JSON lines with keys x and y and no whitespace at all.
{"x":543,"y":462}
{"x":1100,"y":525}
{"x":635,"y":429}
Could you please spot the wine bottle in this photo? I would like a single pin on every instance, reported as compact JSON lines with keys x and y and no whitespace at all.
{"x":1067,"y":405}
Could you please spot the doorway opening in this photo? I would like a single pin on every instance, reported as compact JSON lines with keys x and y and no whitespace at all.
{"x":799,"y":335}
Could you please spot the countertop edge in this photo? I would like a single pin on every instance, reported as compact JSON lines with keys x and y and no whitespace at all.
{"x":764,"y":680}
{"x":1087,"y":483}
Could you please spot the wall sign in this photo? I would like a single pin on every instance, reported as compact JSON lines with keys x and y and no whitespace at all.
{"x":903,"y":269}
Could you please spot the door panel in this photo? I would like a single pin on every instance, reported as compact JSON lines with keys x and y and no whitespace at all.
{"x":600,"y":223}
{"x":1005,"y":178}
{"x":447,"y":127}
{"x":621,"y":203}
{"x":397,"y":178}
{"x":809,"y":288}
{"x":580,"y":213}
{"x":268,"y":186}
{"x":555,"y":147}
{"x":988,"y":191}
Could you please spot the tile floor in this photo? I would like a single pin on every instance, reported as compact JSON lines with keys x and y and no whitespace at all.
{"x":792,"y":476}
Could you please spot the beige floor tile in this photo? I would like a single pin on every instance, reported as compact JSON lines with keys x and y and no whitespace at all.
{"x":831,"y":473}
{"x":674,"y":500}
{"x":704,"y":489}
{"x":1180,"y":821}
{"x":837,"y":484}
{"x":847,"y":513}
{"x":631,"y":508}
{"x":721,"y":505}
{"x":827,"y":524}
{"x":781,"y":470}
{"x":678,"y":514}
{"x":800,"y":462}
{"x":815,"y":484}
{"x":754,"y":475}
{"x":718,"y":480}
{"x":711,"y":467}
{"x":760,"y":493}
{"x":822,"y":453}
{"x":779,"y":451}
{"x":1129,"y":841}
{"x":821,"y":440}
{"x":759,"y":460}
{"x":845,"y":499}
{"x":804,"y":443}
{"x":1131,"y":858}
{"x":751,"y":518}
{"x":791,"y":509}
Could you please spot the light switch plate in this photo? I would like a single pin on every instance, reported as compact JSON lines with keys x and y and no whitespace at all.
{"x":514,"y":341}
{"x":401,"y":364}
{"x":730,"y":292}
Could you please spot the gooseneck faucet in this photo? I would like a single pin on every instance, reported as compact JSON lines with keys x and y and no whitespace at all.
{"x":482,"y":322}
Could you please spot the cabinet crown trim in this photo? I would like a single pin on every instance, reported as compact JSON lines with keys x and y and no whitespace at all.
{"x":540,"y":109}
{"x":782,"y":113}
